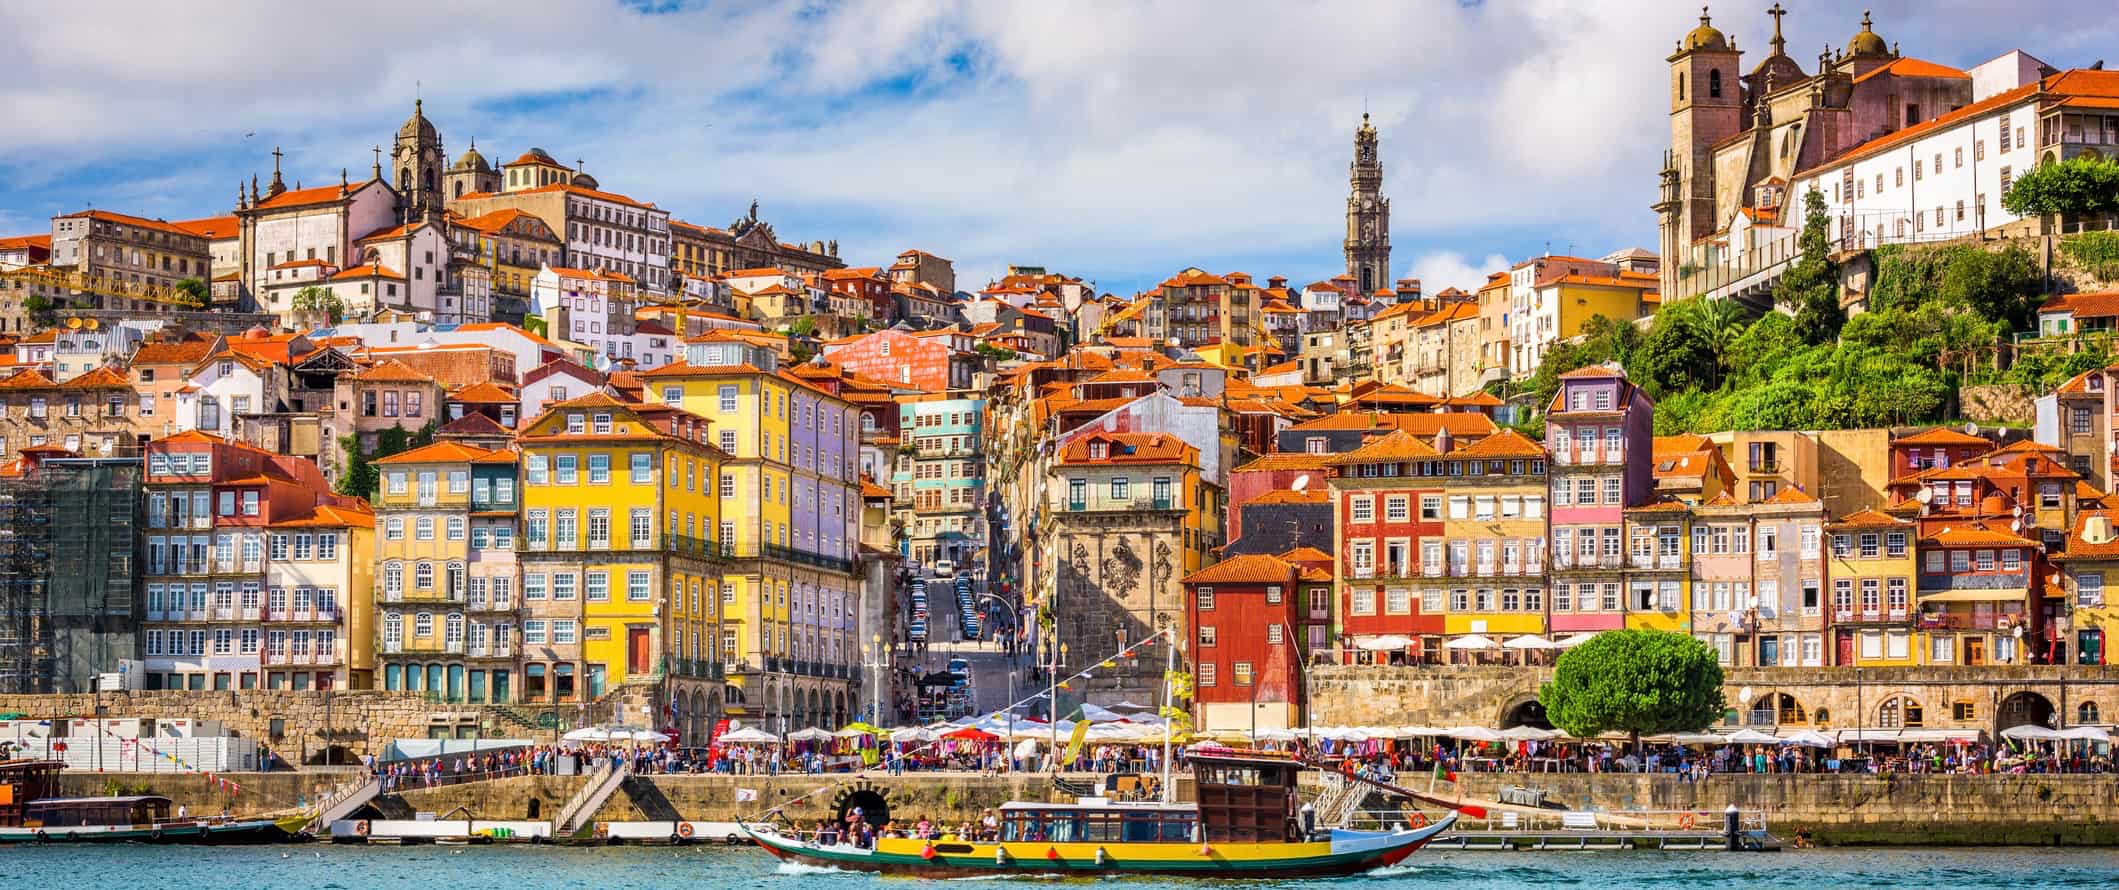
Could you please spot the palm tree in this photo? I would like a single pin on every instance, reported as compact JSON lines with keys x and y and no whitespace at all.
{"x":1720,"y":323}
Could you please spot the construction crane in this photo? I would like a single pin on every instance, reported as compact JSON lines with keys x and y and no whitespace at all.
{"x":77,"y":282}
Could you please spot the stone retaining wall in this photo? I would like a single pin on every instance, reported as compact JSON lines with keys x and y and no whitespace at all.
{"x":358,"y":722}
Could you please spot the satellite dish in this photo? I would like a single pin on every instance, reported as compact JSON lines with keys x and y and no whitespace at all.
{"x":1971,"y":429}
{"x":1301,"y":482}
{"x":1925,"y":495}
{"x":2016,"y":525}
{"x":73,"y":324}
{"x":2017,"y":510}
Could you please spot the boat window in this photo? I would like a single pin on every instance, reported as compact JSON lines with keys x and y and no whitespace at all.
{"x":1063,"y":827}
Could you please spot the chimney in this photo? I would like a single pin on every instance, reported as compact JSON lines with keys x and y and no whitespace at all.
{"x":1444,"y":442}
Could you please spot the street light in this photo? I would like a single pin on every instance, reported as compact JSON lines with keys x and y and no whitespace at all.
{"x":882,"y":663}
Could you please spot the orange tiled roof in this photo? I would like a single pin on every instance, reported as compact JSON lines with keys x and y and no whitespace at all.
{"x":1862,"y":519}
{"x":371,"y":270}
{"x":1398,"y":445}
{"x":102,"y":377}
{"x":1791,"y":495}
{"x":1286,"y":496}
{"x":1502,"y":444}
{"x":212,"y":228}
{"x":185,"y":351}
{"x":2104,"y":304}
{"x":441,"y":453}
{"x":1250,"y":568}
{"x":1910,"y":67}
{"x":1146,"y":448}
{"x":484,"y":392}
{"x":2079,"y":83}
{"x":1306,"y":554}
{"x":159,"y":225}
{"x":1940,"y":436}
{"x":392,"y":371}
{"x":1285,"y":460}
{"x":1977,"y":534}
{"x":299,"y":197}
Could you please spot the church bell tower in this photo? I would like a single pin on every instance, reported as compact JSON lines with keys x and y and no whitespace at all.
{"x":418,"y":162}
{"x":1368,"y":215}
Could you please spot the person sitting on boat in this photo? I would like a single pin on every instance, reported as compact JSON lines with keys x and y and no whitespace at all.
{"x":990,"y":826}
{"x":963,"y":832}
{"x":924,"y":829}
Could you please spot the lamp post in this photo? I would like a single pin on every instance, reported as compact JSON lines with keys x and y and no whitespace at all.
{"x":1059,"y":657}
{"x":876,"y":667}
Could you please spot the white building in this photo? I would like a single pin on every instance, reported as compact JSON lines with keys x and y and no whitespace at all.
{"x":589,"y":306}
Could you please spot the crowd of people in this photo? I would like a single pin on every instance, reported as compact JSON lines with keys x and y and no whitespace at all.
{"x":1693,"y":763}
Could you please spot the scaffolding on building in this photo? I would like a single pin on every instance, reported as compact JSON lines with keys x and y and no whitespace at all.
{"x":68,"y":611}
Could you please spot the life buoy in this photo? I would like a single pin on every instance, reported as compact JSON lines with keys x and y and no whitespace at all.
{"x":154,"y":834}
{"x":684,"y":829}
{"x":361,"y":828}
{"x":732,"y":839}
{"x":43,"y":838}
{"x":1686,"y":822}
{"x":1417,"y":820}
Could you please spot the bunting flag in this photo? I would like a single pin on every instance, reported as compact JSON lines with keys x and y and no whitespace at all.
{"x":1109,"y":665}
{"x":1444,"y":775}
{"x":1075,"y":741}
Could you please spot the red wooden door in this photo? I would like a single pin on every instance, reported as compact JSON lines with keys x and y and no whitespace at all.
{"x":638,"y":656}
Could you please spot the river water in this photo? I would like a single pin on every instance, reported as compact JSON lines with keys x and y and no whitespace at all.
{"x":327,"y":867}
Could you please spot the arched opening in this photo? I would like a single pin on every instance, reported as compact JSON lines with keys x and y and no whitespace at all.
{"x":1527,"y":713}
{"x":404,"y":179}
{"x":875,"y":810}
{"x":535,"y":810}
{"x":1900,"y":712}
{"x":1776,"y":709}
{"x":1681,"y":86}
{"x":337,"y":754}
{"x":459,"y":189}
{"x":2024,"y":708}
{"x":2086,"y":712}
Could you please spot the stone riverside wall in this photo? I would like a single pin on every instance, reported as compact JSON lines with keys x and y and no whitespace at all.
{"x":357,"y":722}
{"x":1356,"y":695}
{"x":1957,"y":810}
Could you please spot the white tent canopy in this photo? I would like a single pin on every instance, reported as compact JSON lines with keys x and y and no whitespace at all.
{"x":1387,"y":641}
{"x":749,"y":736}
{"x":812,"y":734}
{"x":2030,"y":732}
{"x":1470,"y":641}
{"x":1809,"y":738}
{"x":616,"y":734}
{"x":1530,"y":733}
{"x":1752,"y":737}
{"x":911,"y":734}
{"x":1569,"y":642}
{"x":1473,"y":734}
{"x":2087,"y":734}
{"x":1528,"y":641}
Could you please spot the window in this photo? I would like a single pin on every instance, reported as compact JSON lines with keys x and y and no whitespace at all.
{"x":1206,"y":673}
{"x":1206,"y":599}
{"x":1362,"y":509}
{"x":1206,"y":635}
{"x":1241,"y":673}
{"x":2089,"y":589}
{"x":1273,"y":635}
{"x":1430,"y":507}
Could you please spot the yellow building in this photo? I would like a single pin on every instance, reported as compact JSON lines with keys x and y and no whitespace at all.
{"x":1493,"y":512}
{"x":423,"y":508}
{"x":790,"y":506}
{"x":1872,"y":569}
{"x":2091,"y":564}
{"x":621,"y":558}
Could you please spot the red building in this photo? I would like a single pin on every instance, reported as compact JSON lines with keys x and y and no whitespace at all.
{"x":867,"y":283}
{"x":1245,"y":652}
{"x":1387,"y":501}
{"x":930,"y":361}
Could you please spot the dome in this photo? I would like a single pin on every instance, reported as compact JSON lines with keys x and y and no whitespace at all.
{"x":1867,"y":43}
{"x":1705,"y":36}
{"x":586,"y":181}
{"x":257,"y":332}
{"x":417,"y":126}
{"x":474,"y":161}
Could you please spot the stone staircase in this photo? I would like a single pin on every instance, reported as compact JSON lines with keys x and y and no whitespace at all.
{"x":343,"y":802}
{"x":1338,"y":800}
{"x":582,"y":807}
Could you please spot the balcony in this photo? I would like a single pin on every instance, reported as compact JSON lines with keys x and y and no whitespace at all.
{"x":1511,"y":568}
{"x":1431,"y":570}
{"x":1959,"y":621}
{"x":1767,"y":466}
{"x":1668,"y":561}
{"x":1364,"y":572}
{"x":1485,"y":569}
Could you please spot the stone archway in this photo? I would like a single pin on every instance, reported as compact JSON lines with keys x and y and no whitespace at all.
{"x":874,"y":804}
{"x":1777,"y":708}
{"x":2024,"y":708}
{"x":1527,"y":712}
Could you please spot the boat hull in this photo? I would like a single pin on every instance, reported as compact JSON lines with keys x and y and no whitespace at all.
{"x":1344,"y":853}
{"x":245,"y":831}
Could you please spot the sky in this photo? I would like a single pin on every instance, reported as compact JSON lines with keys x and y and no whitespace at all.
{"x":1120,"y":142}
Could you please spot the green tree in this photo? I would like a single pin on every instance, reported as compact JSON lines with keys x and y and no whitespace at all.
{"x":190,"y":292}
{"x":804,"y":326}
{"x":42,"y":311}
{"x":358,"y":476}
{"x":997,"y":353}
{"x":1810,"y":287}
{"x":2078,"y":185}
{"x":1635,"y":681}
{"x":319,"y":299}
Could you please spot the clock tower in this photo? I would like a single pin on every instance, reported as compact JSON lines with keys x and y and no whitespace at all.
{"x":1368,"y":216}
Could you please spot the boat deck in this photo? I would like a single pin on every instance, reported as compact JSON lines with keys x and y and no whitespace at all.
{"x":1676,"y":841}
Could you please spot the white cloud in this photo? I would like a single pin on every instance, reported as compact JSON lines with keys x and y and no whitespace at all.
{"x":1446,"y":269}
{"x":1116,"y":140}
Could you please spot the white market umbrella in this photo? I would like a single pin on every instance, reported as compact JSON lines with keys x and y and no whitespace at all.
{"x":1530,"y":733}
{"x":1419,"y":732}
{"x":1809,"y":738}
{"x":2030,"y":732}
{"x":1096,"y":714}
{"x":1696,"y":738}
{"x":1385,"y":642}
{"x":623,"y":734}
{"x":1751,"y":737}
{"x":1528,"y":641}
{"x":812,"y":734}
{"x":1275,"y":735}
{"x":587,"y":734}
{"x":1027,"y":748}
{"x":1472,"y":734}
{"x":1569,"y":642}
{"x":749,"y":736}
{"x":2086,"y":734}
{"x":1470,"y":642}
{"x":911,"y":734}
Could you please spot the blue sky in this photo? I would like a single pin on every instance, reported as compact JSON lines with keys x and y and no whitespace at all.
{"x":1116,"y":141}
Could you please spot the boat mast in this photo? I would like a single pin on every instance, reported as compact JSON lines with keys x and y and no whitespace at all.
{"x":1169,"y":668}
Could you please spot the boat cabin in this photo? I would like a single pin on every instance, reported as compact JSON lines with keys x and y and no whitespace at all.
{"x":68,"y":812}
{"x":22,"y":781}
{"x":1246,"y":795}
{"x":1099,"y":821}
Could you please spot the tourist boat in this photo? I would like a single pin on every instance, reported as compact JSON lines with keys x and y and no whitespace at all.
{"x":1247,"y":824}
{"x":29,"y":815}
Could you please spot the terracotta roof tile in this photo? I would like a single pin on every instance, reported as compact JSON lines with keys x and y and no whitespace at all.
{"x":1250,"y":568}
{"x":1398,"y":445}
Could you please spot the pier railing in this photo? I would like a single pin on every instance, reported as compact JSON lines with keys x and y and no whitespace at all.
{"x":1569,"y":821}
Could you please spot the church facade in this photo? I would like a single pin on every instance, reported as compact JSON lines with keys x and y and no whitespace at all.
{"x":1739,"y":138}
